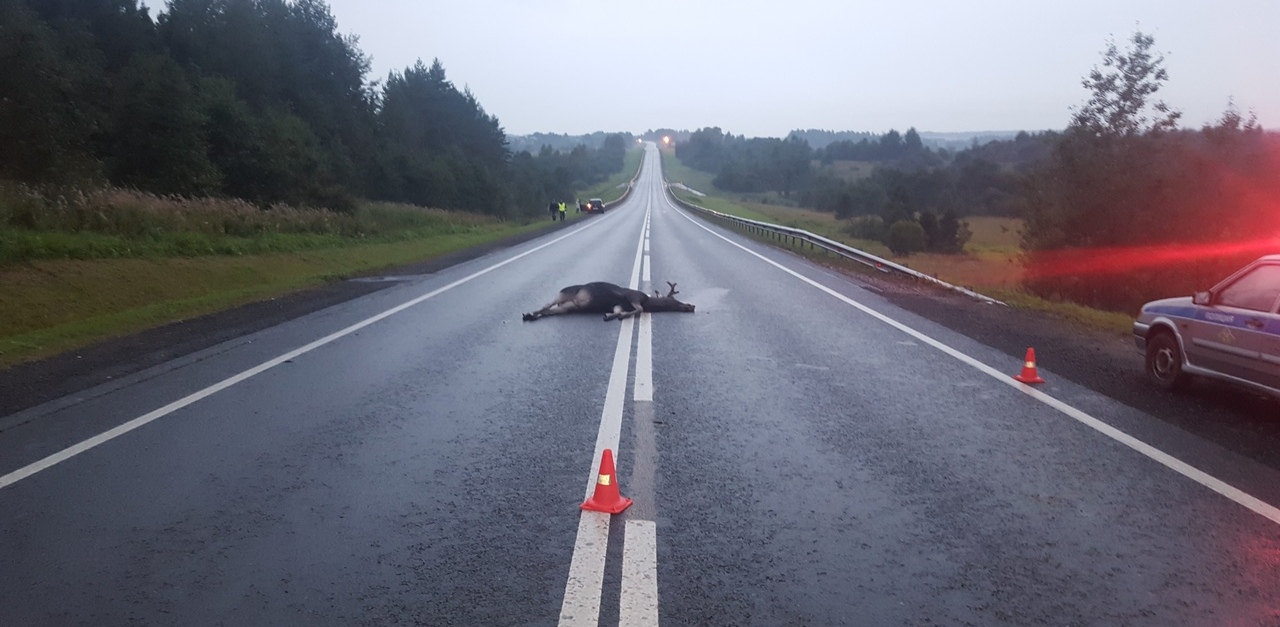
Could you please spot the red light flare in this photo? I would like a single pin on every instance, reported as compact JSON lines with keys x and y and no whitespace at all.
{"x":1259,"y":565}
{"x":1241,"y":204}
{"x":1118,"y":260}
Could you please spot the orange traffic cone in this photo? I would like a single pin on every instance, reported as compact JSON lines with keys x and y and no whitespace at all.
{"x":1029,"y":369}
{"x":607,"y":498}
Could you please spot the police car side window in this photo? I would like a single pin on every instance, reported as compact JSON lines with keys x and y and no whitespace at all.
{"x":1256,"y":290}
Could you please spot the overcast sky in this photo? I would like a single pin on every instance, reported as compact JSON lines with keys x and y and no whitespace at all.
{"x":765,"y":68}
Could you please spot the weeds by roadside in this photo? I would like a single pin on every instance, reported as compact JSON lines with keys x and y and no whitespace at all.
{"x":117,"y":223}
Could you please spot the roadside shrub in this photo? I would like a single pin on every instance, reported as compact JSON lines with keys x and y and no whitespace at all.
{"x":906,"y":237}
{"x":869,"y":228}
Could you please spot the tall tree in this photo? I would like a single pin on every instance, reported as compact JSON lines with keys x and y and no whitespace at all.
{"x":52,"y":98}
{"x":160,"y":142}
{"x":440,"y":147}
{"x":1121,"y":90}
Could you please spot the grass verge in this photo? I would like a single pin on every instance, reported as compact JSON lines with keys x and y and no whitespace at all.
{"x":616,"y":185}
{"x":51,"y":306}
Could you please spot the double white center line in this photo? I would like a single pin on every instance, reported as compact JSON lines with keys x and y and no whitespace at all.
{"x":584,"y":587}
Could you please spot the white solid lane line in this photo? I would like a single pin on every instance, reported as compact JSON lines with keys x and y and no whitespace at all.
{"x":582,"y":590}
{"x":111,"y":434}
{"x":644,"y":349}
{"x":639,"y":606}
{"x":644,"y":360}
{"x":1254,"y":504}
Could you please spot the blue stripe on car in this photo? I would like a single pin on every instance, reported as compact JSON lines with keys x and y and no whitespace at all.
{"x":1237,"y":321}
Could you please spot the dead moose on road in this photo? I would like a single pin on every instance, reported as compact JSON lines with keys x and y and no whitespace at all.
{"x":614,"y":301}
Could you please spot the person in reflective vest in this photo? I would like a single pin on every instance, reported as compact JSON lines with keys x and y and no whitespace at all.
{"x":564,"y":211}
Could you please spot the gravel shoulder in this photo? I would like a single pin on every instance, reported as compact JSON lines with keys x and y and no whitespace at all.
{"x":1236,"y":419}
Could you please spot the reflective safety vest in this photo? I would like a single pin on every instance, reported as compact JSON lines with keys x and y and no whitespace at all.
{"x":563,"y":209}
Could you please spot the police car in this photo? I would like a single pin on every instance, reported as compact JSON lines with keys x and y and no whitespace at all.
{"x":1231,"y":332}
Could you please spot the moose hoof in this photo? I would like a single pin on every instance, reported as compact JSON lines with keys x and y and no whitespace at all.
{"x":527,"y":317}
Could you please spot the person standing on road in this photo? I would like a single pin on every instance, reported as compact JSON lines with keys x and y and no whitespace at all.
{"x":564,"y":211}
{"x":551,"y":207}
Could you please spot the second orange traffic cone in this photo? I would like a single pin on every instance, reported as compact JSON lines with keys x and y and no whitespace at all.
{"x":607,"y":497}
{"x":1028,"y":374}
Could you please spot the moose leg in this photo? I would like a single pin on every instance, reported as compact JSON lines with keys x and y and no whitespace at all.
{"x":566,"y":302}
{"x":628,"y":309}
{"x":616,"y":314}
{"x":550,"y":310}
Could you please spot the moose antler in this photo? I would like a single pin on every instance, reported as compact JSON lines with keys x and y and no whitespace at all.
{"x":673,"y":291}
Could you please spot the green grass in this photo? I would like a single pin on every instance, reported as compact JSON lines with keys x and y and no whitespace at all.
{"x":677,"y":172}
{"x":56,"y":305}
{"x":616,"y":185}
{"x":1118,"y":323}
{"x":120,"y":224}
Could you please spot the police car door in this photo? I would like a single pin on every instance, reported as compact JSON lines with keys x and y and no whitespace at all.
{"x":1239,"y":335}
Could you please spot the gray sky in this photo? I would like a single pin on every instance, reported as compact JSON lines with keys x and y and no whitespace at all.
{"x":765,"y":68}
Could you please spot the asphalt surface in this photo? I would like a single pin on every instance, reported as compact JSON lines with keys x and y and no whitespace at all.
{"x":803,"y":462}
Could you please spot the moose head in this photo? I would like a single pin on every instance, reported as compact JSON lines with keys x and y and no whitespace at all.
{"x":658,"y":302}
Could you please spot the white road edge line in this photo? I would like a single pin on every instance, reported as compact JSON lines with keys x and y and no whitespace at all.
{"x":585,"y":584}
{"x":111,"y":434}
{"x":1253,"y":503}
{"x":639,"y":605}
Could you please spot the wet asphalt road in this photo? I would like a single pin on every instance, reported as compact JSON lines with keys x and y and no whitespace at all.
{"x":803,"y":463}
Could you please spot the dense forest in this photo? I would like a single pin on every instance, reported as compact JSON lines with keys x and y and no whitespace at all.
{"x":262,"y":100}
{"x":1121,"y":203}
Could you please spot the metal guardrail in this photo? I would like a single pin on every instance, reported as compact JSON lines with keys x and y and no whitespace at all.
{"x":801,"y":236}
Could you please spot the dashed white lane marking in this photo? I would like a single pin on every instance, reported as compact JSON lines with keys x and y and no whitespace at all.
{"x":1254,"y":504}
{"x":581,"y":605}
{"x":639,"y":602}
{"x":111,"y":434}
{"x":648,"y":264}
{"x":639,"y":606}
{"x":582,"y":590}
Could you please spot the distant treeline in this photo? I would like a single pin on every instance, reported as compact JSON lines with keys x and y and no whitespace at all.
{"x":820,"y":138}
{"x":256,"y":99}
{"x":536,"y":142}
{"x":982,"y":180}
{"x":1121,"y":204}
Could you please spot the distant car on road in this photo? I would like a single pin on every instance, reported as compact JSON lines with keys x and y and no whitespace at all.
{"x":595,"y":205}
{"x":1231,"y":332}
